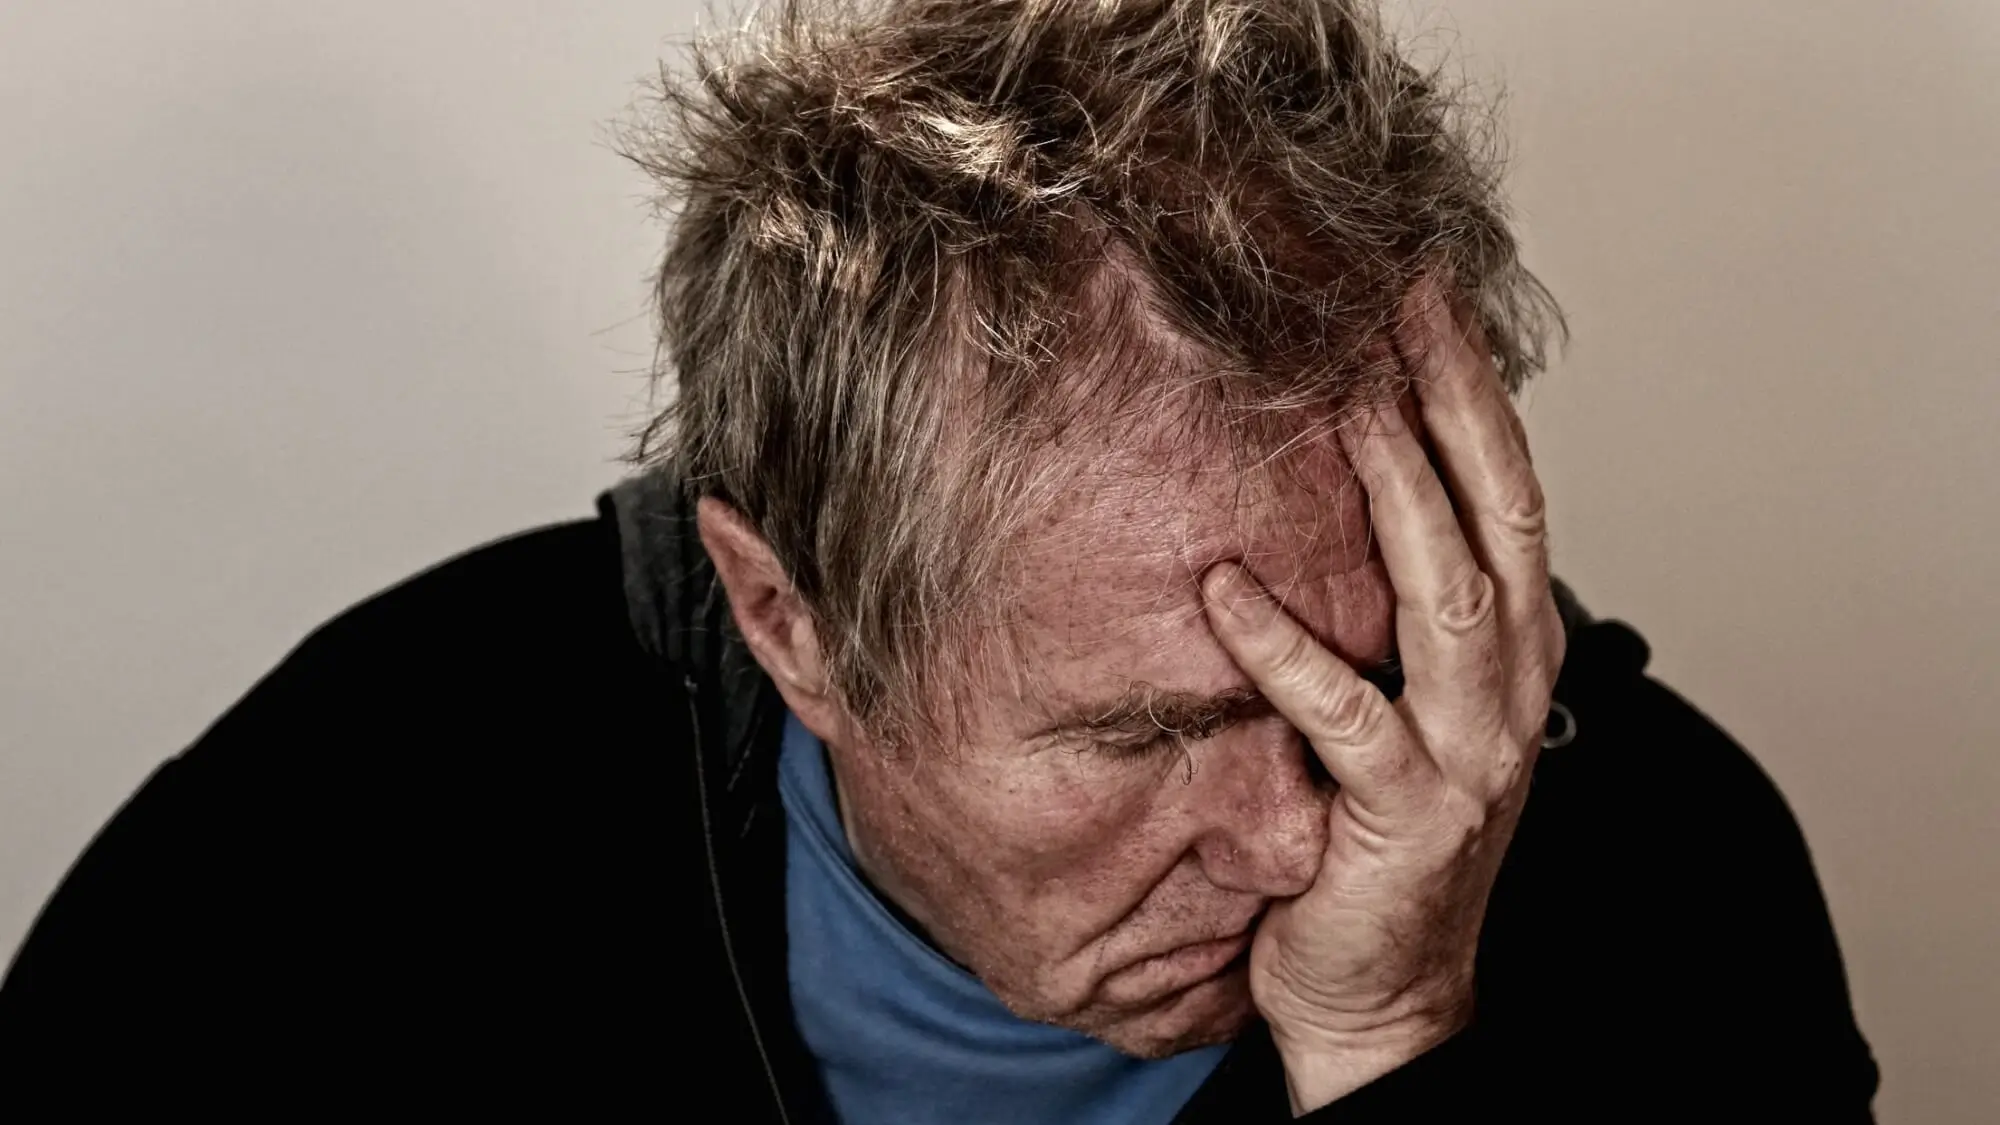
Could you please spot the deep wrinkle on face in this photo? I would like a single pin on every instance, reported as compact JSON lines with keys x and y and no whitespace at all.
{"x":1093,"y":873}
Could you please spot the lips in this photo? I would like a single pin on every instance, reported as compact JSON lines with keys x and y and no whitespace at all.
{"x":1146,"y":981}
{"x":1204,"y":959}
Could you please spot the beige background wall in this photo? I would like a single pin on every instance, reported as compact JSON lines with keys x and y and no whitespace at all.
{"x":297,"y":298}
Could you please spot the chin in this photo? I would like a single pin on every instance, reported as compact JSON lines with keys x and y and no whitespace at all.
{"x":1214,"y":1011}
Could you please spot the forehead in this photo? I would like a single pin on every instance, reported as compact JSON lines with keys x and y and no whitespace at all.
{"x":1108,"y":592}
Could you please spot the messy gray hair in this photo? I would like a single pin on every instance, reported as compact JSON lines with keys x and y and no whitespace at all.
{"x":915,"y":242}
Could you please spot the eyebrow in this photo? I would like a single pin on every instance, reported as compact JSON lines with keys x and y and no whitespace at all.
{"x":1145,"y":710}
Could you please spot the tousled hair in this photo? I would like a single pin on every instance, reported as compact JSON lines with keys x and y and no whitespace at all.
{"x":915,"y":243}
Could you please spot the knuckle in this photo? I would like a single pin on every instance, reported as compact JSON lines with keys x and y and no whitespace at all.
{"x":1466,"y":603}
{"x":1353,"y":712}
{"x":1508,"y":767}
{"x":1296,"y":658}
{"x":1524,"y":513}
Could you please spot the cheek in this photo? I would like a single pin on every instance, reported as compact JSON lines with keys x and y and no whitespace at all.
{"x":1023,"y":865}
{"x":1045,"y":822}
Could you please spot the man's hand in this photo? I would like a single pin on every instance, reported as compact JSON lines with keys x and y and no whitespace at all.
{"x":1373,"y":965}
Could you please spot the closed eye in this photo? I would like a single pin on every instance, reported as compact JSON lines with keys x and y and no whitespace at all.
{"x":1150,"y":722}
{"x":1162,"y":740}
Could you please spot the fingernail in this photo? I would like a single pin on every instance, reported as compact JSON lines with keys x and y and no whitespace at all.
{"x":1230,"y":588}
{"x":1379,"y":418}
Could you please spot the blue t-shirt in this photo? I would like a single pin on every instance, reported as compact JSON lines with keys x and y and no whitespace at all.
{"x":900,"y":1033}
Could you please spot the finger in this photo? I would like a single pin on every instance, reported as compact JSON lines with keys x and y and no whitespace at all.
{"x":1351,"y":726}
{"x":1446,"y":634}
{"x":1482,"y":454}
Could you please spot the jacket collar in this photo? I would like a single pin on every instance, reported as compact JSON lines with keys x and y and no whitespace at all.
{"x":680,"y":615}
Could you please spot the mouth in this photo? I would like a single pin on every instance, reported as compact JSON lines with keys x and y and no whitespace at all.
{"x":1150,"y":981}
{"x":1204,"y":959}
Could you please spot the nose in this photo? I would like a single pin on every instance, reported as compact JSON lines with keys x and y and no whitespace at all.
{"x":1264,"y":813}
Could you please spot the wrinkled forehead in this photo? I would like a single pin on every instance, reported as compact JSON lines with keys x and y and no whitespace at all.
{"x":1296,"y":511}
{"x":1107,"y":578}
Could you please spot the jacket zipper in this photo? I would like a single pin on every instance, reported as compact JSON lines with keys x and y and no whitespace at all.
{"x":722,"y":916}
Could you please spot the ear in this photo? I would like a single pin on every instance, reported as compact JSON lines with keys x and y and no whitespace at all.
{"x":768,"y":610}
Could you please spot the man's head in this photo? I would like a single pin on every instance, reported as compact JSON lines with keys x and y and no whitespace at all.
{"x":993,"y":325}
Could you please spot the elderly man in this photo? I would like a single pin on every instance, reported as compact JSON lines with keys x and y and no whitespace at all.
{"x":1081,"y":649}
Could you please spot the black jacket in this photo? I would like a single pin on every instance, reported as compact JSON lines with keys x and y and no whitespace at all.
{"x":507,"y":838}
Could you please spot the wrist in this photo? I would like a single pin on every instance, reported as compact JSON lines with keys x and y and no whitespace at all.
{"x":1323,"y":1066}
